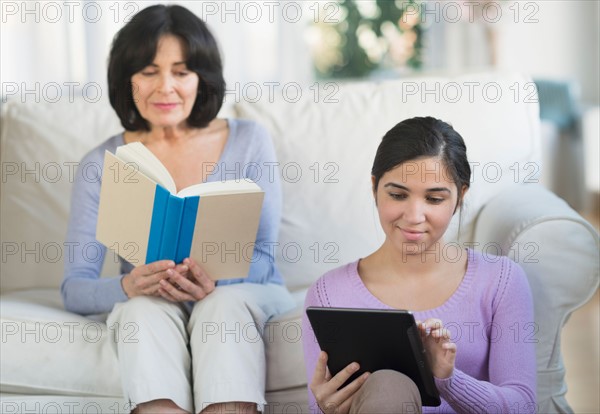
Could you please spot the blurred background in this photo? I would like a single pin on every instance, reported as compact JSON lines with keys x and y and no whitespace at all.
{"x":57,"y":48}
{"x":54,"y":49}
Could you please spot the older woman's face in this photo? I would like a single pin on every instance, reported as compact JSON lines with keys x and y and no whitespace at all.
{"x":165,"y":91}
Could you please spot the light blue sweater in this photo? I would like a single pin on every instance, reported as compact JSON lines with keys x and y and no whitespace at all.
{"x":248,"y":153}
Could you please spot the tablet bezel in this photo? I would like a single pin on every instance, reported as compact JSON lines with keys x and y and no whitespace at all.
{"x":364,"y":336}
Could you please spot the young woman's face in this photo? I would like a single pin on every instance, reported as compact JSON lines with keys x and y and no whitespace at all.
{"x":416,"y":201}
{"x":165,"y":91}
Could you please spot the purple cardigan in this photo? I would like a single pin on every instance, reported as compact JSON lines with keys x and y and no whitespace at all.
{"x":490,"y":317}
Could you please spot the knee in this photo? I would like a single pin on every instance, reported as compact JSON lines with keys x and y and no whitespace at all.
{"x":226,"y":313}
{"x":387,"y":391}
{"x":390,"y":379}
{"x":141,"y":308}
{"x":225,"y":303}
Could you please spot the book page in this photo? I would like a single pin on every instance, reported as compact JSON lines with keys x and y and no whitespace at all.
{"x":147,"y":163}
{"x":220,"y":187}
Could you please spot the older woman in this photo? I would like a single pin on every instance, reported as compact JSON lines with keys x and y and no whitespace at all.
{"x":183,"y":344}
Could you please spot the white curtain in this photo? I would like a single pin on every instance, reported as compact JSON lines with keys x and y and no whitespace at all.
{"x":45,"y":44}
{"x":48,"y":43}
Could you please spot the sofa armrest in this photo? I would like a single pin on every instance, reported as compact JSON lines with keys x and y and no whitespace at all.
{"x":558,"y":250}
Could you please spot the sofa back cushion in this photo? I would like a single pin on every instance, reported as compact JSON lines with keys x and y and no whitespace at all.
{"x":325,"y":144}
{"x":41,"y":146}
{"x":326,"y":141}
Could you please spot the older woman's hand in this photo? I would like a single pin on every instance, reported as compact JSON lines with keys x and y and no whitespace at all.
{"x":186,"y":282}
{"x":144,"y":280}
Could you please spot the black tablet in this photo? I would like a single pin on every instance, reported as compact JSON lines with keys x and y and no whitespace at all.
{"x":376,"y":339}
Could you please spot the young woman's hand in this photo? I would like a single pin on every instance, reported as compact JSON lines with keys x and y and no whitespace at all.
{"x":325,"y":388}
{"x":144,"y":280}
{"x":441,"y":351}
{"x":186,"y":282}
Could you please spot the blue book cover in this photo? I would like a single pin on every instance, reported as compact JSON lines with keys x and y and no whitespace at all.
{"x":171,"y":228}
{"x":159,"y":213}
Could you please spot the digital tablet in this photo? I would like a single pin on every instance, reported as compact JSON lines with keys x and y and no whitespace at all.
{"x":376,"y":339}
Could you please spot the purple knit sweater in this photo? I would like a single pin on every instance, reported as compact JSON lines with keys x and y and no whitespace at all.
{"x":490,"y":317}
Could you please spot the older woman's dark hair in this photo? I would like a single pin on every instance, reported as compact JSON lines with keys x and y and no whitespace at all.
{"x":134,"y":47}
{"x":419,"y":138}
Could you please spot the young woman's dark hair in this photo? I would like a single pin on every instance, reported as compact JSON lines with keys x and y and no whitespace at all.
{"x":423,"y":137}
{"x":134,"y":48}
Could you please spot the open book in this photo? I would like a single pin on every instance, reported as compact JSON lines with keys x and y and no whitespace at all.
{"x":143,"y":218}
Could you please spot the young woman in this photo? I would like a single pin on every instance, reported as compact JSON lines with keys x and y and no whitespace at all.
{"x":468,"y":305}
{"x":166,"y":85}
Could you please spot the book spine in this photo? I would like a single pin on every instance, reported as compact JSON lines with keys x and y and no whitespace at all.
{"x":188,"y":223}
{"x":172,"y":226}
{"x":159,"y":212}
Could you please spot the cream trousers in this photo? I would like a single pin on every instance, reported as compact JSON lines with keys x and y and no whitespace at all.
{"x":215,"y":354}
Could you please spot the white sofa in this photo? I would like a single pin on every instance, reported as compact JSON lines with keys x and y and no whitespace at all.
{"x":55,"y":361}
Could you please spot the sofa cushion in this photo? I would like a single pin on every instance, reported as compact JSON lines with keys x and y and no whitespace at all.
{"x":326,"y":143}
{"x":46,"y":350}
{"x":41,"y":145}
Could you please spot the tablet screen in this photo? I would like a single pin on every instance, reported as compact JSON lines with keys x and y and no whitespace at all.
{"x":376,"y":339}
